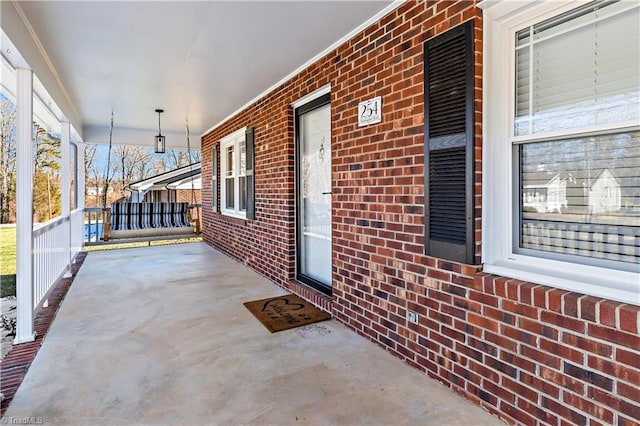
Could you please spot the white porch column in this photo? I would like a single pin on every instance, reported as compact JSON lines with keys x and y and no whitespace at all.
{"x":24,"y":207}
{"x":65,"y":147}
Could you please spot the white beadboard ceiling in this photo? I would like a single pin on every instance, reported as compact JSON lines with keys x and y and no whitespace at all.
{"x":202,"y":60}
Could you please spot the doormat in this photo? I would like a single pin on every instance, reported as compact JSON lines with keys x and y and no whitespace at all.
{"x":285,"y":312}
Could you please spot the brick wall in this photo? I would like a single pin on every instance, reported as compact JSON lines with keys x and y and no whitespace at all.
{"x":528,"y":353}
{"x":186,"y":196}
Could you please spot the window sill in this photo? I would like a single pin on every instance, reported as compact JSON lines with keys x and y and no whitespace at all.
{"x":233,"y":218}
{"x":600,"y":282}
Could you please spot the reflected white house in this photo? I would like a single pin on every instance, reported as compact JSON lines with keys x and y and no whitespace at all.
{"x":605,"y":194}
{"x":548,"y":197}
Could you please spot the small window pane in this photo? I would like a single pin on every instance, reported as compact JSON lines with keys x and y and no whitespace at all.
{"x":581,"y":197}
{"x":229,"y":193}
{"x":242,"y":183}
{"x":243,"y":159}
{"x":230,"y":161}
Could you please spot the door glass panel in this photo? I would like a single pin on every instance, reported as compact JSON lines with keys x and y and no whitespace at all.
{"x":314,"y":195}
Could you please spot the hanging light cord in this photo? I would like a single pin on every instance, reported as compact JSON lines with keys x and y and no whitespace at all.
{"x":193,"y":196}
{"x":106,"y":174}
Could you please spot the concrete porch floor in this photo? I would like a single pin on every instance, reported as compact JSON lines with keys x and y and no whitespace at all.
{"x":159,"y":335}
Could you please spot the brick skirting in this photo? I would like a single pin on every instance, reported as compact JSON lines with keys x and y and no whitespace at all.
{"x":16,"y":363}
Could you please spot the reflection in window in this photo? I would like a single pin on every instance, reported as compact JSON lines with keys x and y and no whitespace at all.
{"x":582,"y":196}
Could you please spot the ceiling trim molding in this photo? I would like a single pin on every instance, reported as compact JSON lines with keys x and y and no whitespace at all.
{"x":311,"y":61}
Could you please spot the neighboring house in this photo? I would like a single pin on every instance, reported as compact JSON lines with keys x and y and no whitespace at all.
{"x":183,"y":184}
{"x":548,"y":197}
{"x":605,"y":194}
{"x":98,"y":190}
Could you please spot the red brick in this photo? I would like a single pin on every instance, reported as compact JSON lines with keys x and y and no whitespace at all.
{"x":540,"y":296}
{"x":629,"y":340}
{"x":628,"y":391}
{"x":588,"y":306}
{"x":620,"y":371}
{"x":577,"y":385}
{"x":499,"y":391}
{"x":539,"y":413}
{"x":554,"y":298}
{"x":482,"y":321}
{"x":520,"y":309}
{"x":598,"y":397}
{"x":521,"y":416}
{"x":562,"y":321}
{"x":590,"y":345}
{"x":573,"y":416}
{"x":588,"y":406}
{"x":625,"y":421}
{"x":629,"y":317}
{"x":563,"y":351}
{"x":541,"y":385}
{"x":607,"y":313}
{"x":631,"y":358}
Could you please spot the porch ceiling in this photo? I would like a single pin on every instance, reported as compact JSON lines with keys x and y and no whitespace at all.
{"x":202,"y":60}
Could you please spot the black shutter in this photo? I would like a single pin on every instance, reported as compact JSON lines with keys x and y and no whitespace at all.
{"x":251,"y":190}
{"x":448,"y":152}
{"x":214,"y":177}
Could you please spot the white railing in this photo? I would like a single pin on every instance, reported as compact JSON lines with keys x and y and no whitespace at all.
{"x":93,"y":225}
{"x":77,"y":231}
{"x":50,"y":258}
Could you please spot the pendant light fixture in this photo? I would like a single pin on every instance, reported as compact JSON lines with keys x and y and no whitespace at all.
{"x":159,"y":142}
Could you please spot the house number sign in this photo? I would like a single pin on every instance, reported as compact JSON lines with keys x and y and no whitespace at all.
{"x":370,"y":111}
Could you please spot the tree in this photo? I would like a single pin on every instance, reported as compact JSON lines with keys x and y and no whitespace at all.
{"x":47,"y":197}
{"x":90,"y":159}
{"x":7,"y":161}
{"x":132,"y":164}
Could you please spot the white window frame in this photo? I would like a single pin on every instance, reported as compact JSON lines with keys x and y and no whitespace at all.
{"x":501,"y":21}
{"x":235,"y":140}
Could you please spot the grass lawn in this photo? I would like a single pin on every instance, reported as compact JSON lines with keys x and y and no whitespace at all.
{"x":7,"y":261}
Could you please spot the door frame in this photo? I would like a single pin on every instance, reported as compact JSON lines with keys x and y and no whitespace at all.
{"x":313,"y":104}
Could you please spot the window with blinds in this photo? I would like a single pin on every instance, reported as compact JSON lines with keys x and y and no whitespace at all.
{"x":579,"y":193}
{"x":579,"y":69}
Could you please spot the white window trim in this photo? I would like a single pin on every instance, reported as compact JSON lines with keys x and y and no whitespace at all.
{"x":501,"y":20}
{"x":235,"y":138}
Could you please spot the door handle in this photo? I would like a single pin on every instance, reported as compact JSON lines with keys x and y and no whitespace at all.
{"x":326,"y":193}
